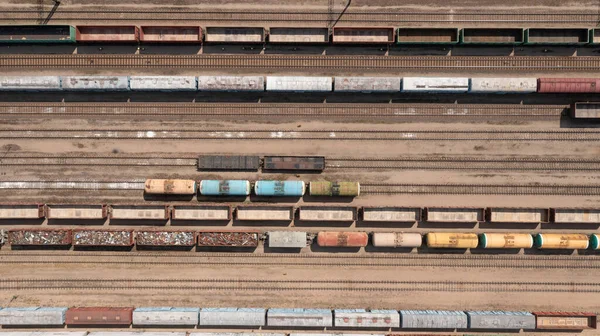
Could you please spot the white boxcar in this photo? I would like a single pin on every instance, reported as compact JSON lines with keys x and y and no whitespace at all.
{"x":165,"y":316}
{"x":287,"y":239}
{"x":435,"y":84}
{"x":235,"y":334}
{"x":360,"y":318}
{"x":299,"y":84}
{"x":33,"y":316}
{"x":299,"y":317}
{"x":504,"y":85}
{"x":232,"y":317}
{"x":95,"y":83}
{"x":163,"y":83}
{"x":367,"y":84}
{"x":231,"y":83}
{"x":43,"y":333}
{"x":30,"y":83}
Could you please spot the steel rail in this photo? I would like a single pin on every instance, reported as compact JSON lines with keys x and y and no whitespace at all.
{"x":320,"y":17}
{"x":299,"y":285}
{"x":283,"y":134}
{"x":282,"y":110}
{"x":349,"y":260}
{"x":320,"y":63}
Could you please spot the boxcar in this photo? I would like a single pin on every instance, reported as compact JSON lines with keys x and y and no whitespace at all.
{"x":33,"y":316}
{"x":326,"y":188}
{"x":225,"y":187}
{"x":360,"y":318}
{"x":427,"y":36}
{"x":171,"y":34}
{"x":313,"y":163}
{"x":287,"y":239}
{"x":280,"y":188}
{"x":231,"y":83}
{"x":505,"y":240}
{"x":363,"y":35}
{"x":99,"y":316}
{"x":299,"y":84}
{"x":501,"y":320}
{"x":108,"y":34}
{"x":435,"y":84}
{"x":165,"y":316}
{"x":30,"y":83}
{"x":170,"y":186}
{"x":298,"y":35}
{"x":433,"y":319}
{"x":228,"y":317}
{"x":509,"y":36}
{"x":585,"y":110}
{"x":367,"y":84}
{"x":95,"y":83}
{"x":503,"y":85}
{"x":568,"y":241}
{"x":342,"y":239}
{"x":163,"y":83}
{"x":299,"y":317}
{"x":569,"y":85}
{"x":37,"y":34}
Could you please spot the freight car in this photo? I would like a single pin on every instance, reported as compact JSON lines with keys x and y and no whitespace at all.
{"x":280,"y":188}
{"x":224,"y":188}
{"x":278,"y":318}
{"x":37,"y":34}
{"x":326,"y":188}
{"x":168,"y":187}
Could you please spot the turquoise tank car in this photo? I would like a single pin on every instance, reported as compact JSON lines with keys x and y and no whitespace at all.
{"x":280,"y":188}
{"x":224,"y":187}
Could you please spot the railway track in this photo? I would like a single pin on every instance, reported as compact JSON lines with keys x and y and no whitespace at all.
{"x":313,"y":63}
{"x":297,"y":285}
{"x":399,"y":163}
{"x":282,"y":110}
{"x":330,"y":135}
{"x":366,"y":189}
{"x":318,"y":17}
{"x":312,"y":260}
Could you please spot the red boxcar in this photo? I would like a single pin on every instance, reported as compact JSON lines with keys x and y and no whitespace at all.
{"x":343,"y":239}
{"x":569,"y":85}
{"x":99,"y":316}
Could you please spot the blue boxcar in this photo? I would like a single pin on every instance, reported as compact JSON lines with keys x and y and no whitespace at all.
{"x":279,"y":188}
{"x":225,"y":188}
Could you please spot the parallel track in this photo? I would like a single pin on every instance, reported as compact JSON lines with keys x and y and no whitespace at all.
{"x":314,"y":63}
{"x":280,"y":110}
{"x":295,"y":134}
{"x":320,"y":18}
{"x":407,"y":162}
{"x":321,"y":260}
{"x":367,"y":189}
{"x":297,"y":285}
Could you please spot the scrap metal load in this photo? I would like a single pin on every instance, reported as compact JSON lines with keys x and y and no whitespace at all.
{"x":165,"y":238}
{"x":39,"y":237}
{"x":230,"y":239}
{"x":103,"y":238}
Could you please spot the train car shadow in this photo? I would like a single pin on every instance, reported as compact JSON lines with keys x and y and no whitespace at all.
{"x":225,"y":249}
{"x":316,"y":248}
{"x":534,"y":251}
{"x":325,"y":223}
{"x":436,"y":225}
{"x":168,"y":198}
{"x":374,"y":224}
{"x":251,"y":49}
{"x":171,"y":49}
{"x":510,"y":226}
{"x":500,"y":50}
{"x":165,"y":248}
{"x":34,"y":221}
{"x":107,"y":48}
{"x":103,"y":248}
{"x":545,"y":50}
{"x":186,"y":222}
{"x":268,"y":249}
{"x":304,"y":49}
{"x":262,"y":223}
{"x":139,"y":222}
{"x":40,"y":247}
{"x":367,"y":49}
{"x":373,"y":249}
{"x":328,"y":199}
{"x":37,"y":48}
{"x":78,"y":222}
{"x":569,"y":226}
{"x":494,"y":251}
{"x":429,"y":250}
{"x":420,"y":50}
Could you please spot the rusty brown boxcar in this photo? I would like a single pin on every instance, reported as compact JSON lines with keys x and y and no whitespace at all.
{"x":109,"y":34}
{"x":315,"y":163}
{"x":99,"y":316}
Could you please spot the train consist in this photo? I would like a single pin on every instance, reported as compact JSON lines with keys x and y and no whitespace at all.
{"x":296,"y":240}
{"x":300,"y":318}
{"x":245,"y":187}
{"x":373,"y":216}
{"x":291,"y":35}
{"x":338,"y":84}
